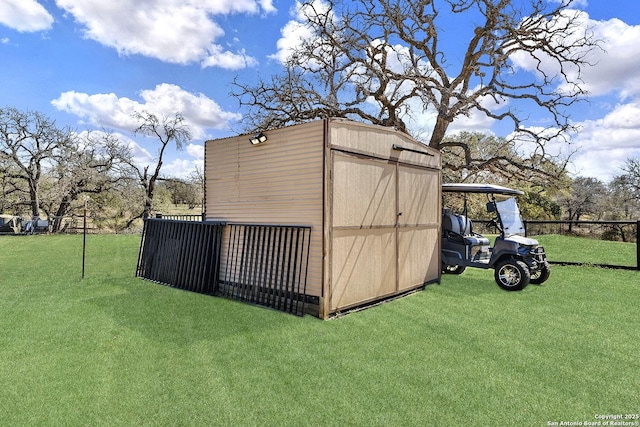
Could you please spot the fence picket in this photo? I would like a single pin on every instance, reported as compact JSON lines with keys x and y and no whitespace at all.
{"x":265,"y":264}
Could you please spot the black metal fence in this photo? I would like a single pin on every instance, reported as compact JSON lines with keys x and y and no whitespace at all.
{"x":267,"y":265}
{"x":181,"y":217}
{"x":625,"y":231}
{"x":181,"y":254}
{"x":260,"y":264}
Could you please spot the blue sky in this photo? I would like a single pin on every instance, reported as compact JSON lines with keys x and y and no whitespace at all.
{"x":90,"y":63}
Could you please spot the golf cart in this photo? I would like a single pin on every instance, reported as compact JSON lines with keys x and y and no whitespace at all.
{"x":517,"y":260}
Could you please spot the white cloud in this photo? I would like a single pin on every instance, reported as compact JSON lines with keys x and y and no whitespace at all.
{"x":574,"y":3}
{"x":181,"y":168}
{"x":476,"y":120}
{"x":601,"y":164}
{"x":599,"y":149}
{"x":109,"y":110}
{"x":196,"y":150}
{"x":24,"y":15}
{"x":606,"y":143}
{"x":615,"y":66}
{"x":180,"y":32}
{"x":295,"y":32}
{"x":603,"y":144}
{"x":141,"y":156}
{"x":613,"y":84}
{"x":421,"y":122}
{"x":543,"y":63}
{"x":218,"y":57}
{"x":103,"y":109}
{"x":267,"y":6}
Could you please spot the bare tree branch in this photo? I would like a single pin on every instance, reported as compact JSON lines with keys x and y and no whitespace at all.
{"x":382,"y":61}
{"x":164,"y":129}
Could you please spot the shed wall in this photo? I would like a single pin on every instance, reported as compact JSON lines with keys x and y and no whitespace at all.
{"x":374,"y":210}
{"x":384,"y":210}
{"x":277,"y":182}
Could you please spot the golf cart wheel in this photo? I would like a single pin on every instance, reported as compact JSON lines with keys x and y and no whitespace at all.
{"x":512,"y":275}
{"x":453,"y":269}
{"x":541,"y":275}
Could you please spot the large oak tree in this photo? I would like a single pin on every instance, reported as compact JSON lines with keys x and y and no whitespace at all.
{"x":387,"y":61}
{"x":29,"y":143}
{"x":93,"y":165}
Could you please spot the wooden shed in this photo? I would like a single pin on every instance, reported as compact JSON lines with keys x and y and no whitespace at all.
{"x":370,"y":194}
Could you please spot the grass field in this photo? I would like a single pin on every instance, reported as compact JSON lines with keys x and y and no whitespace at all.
{"x":589,"y":251}
{"x":113,"y":350}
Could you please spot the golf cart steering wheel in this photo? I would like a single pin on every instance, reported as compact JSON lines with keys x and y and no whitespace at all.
{"x":494,"y":223}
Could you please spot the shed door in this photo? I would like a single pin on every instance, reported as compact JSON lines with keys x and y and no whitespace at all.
{"x":418,"y":235}
{"x":363,"y":253}
{"x":384,"y":229}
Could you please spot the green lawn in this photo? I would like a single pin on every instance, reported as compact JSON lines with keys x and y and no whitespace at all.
{"x":113,"y":350}
{"x":591,"y":251}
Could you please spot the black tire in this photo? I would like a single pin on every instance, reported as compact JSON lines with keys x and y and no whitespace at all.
{"x":512,"y":275}
{"x":541,"y":275}
{"x":453,"y":269}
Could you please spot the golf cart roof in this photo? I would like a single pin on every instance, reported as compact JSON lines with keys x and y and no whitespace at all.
{"x":479,"y":188}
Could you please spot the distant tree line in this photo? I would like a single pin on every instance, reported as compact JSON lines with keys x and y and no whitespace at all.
{"x":550,"y":193}
{"x":52,"y":171}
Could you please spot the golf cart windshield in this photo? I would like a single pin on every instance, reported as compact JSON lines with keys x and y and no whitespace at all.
{"x":510,"y":217}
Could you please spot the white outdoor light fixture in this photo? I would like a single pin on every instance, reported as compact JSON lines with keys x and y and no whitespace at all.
{"x":258,"y":138}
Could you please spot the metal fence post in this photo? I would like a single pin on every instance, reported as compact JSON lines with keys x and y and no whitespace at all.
{"x":638,"y":245}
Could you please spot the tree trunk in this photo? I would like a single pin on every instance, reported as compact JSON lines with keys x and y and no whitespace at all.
{"x":35,"y":201}
{"x":439,"y":130}
{"x":63,"y":210}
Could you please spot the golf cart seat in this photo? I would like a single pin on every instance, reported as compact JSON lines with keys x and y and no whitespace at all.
{"x":461,"y":227}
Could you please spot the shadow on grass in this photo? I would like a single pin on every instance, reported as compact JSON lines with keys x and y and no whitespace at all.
{"x":477,"y":282}
{"x":166,"y":315}
{"x":471,"y":282}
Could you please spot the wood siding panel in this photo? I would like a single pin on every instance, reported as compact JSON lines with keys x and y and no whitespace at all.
{"x":364,"y":192}
{"x":351,"y":200}
{"x":419,"y":196}
{"x":279,"y":182}
{"x":418,"y":257}
{"x":378,"y":141}
{"x":363,"y":267}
